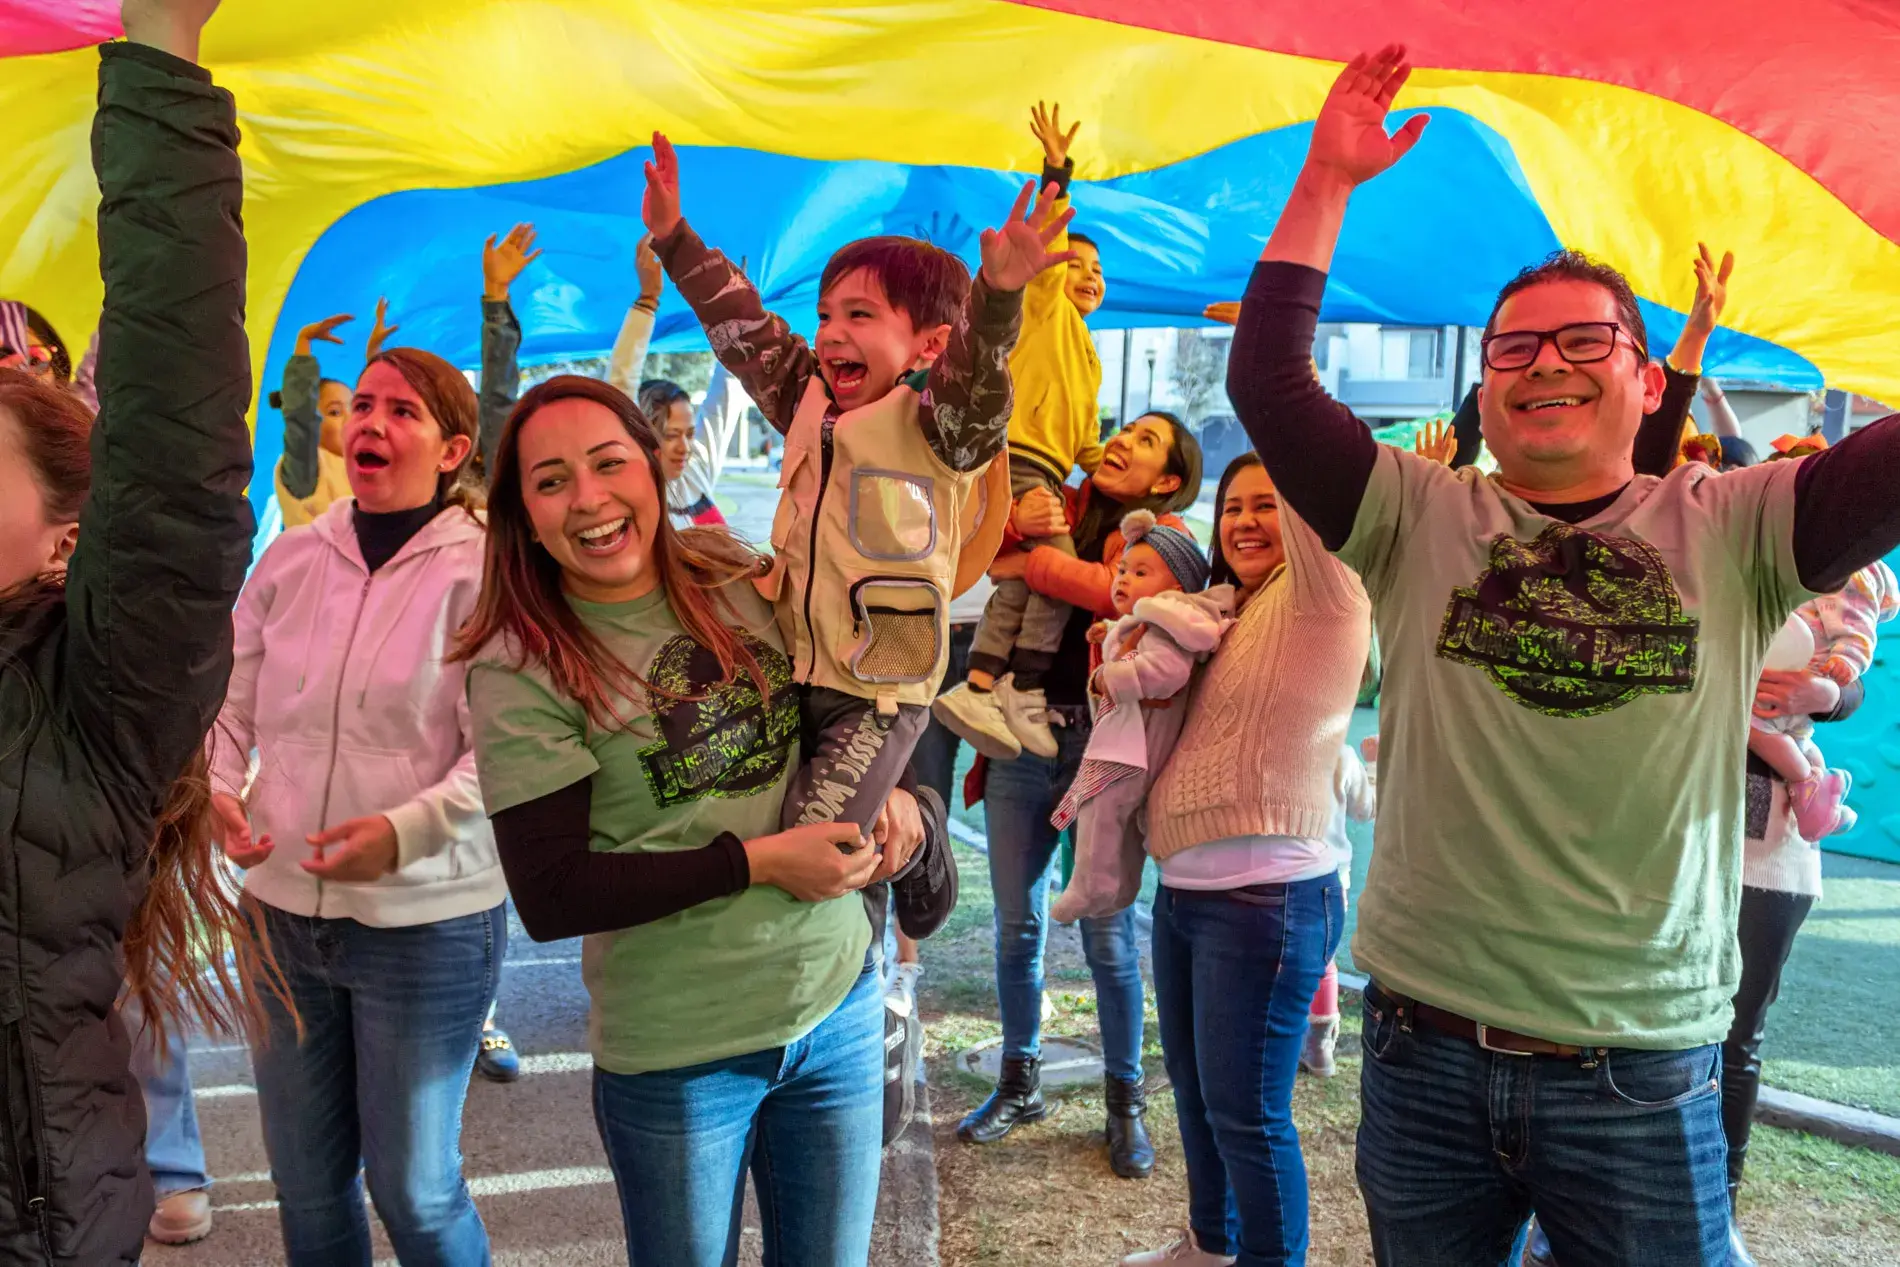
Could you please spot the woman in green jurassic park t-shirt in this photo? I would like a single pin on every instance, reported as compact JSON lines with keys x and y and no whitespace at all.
{"x":636,"y":724}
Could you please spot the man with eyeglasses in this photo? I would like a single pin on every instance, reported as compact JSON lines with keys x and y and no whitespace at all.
{"x":1570,"y":655}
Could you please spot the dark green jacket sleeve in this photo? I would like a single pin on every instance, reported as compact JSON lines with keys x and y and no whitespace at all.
{"x":303,"y":424}
{"x":501,"y":375}
{"x":165,"y":535}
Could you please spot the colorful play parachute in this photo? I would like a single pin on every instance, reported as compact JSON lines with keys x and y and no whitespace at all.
{"x":384,"y":139}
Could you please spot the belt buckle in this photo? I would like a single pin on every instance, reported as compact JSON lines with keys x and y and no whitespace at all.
{"x":1484,"y":1041}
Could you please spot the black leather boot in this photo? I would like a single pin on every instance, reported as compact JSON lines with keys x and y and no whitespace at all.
{"x":1130,"y":1155}
{"x":1017,"y":1099}
{"x":1738,"y":1255}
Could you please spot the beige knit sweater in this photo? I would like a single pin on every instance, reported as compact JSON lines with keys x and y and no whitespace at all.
{"x":1270,"y":710}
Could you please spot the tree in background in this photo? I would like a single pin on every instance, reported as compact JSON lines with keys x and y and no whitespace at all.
{"x":1200,"y":375}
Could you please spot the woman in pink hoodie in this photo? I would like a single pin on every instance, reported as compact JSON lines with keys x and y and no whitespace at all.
{"x":362,"y":831}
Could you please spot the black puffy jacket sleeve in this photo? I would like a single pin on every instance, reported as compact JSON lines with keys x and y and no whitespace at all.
{"x":165,"y":535}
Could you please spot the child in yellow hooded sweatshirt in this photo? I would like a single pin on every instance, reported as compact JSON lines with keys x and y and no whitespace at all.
{"x":1054,"y":427}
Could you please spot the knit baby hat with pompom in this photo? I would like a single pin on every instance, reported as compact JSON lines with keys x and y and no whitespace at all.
{"x":1179,"y":551}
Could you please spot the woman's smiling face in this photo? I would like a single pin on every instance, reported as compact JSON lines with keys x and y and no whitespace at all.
{"x":1250,"y":528}
{"x":592,"y":498}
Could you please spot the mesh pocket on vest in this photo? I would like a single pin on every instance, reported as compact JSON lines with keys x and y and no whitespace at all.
{"x":899,"y":629}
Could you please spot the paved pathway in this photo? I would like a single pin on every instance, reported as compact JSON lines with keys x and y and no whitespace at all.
{"x":534,"y":1160}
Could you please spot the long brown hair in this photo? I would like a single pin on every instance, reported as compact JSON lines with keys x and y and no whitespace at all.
{"x":522,"y":600}
{"x":196,"y":948}
{"x":445,"y":390}
{"x":190,"y":933}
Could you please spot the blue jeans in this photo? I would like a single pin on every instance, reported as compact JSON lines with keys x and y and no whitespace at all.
{"x":1019,"y":797}
{"x":807,"y":1119}
{"x":173,"y":1151}
{"x":1235,"y":973}
{"x":1623,"y":1164}
{"x":392,"y":1019}
{"x":935,"y":757}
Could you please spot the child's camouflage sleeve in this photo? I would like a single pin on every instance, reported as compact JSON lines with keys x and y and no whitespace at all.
{"x":773,"y":364}
{"x":966,"y":405}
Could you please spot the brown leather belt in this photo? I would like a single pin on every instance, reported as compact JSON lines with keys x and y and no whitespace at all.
{"x":1490,"y":1037}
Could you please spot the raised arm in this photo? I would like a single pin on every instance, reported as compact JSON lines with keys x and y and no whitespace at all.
{"x":629,"y":356}
{"x":1319,"y":455}
{"x":501,"y":334}
{"x":165,"y":535}
{"x":1846,"y":506}
{"x":967,"y":403}
{"x":713,"y":426}
{"x":1721,"y":414}
{"x":773,"y":364}
{"x":1659,"y":439}
{"x":303,"y":417}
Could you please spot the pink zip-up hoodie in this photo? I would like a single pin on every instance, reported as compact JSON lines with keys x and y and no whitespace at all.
{"x":340,"y":688}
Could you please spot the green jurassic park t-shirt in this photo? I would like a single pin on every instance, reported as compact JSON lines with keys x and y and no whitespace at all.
{"x":1562,"y":751}
{"x":738,"y":974}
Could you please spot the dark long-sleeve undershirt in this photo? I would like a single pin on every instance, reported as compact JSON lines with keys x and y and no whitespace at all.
{"x":563,"y":888}
{"x":1320,"y":455}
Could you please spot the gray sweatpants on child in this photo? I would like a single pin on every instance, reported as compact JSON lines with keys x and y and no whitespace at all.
{"x":1021,"y":630}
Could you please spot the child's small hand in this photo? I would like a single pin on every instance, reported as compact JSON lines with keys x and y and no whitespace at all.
{"x":1841,"y":670}
{"x":1045,"y":124}
{"x":1015,"y":253}
{"x":661,"y":207}
{"x":1097,"y":632}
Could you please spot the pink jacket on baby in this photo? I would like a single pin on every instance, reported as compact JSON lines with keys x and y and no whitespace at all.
{"x":1843,"y":623}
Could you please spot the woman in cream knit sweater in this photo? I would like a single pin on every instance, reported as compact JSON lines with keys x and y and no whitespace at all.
{"x":1248,"y":832}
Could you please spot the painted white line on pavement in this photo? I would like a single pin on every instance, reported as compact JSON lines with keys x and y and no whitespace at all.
{"x":483,"y":1185}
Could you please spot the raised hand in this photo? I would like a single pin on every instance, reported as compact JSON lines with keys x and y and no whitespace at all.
{"x":1711,"y":289}
{"x":171,"y":25}
{"x":1045,"y":124}
{"x":1020,"y":249}
{"x":646,"y":266}
{"x":323,"y":331}
{"x":355,"y":852}
{"x":502,"y":264}
{"x":1435,"y":441}
{"x":1227,"y":312}
{"x":380,"y":332}
{"x":1349,"y":137}
{"x":661,"y":206}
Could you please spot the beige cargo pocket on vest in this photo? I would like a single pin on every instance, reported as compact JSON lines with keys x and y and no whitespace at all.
{"x":892,"y":516}
{"x":896,"y":624}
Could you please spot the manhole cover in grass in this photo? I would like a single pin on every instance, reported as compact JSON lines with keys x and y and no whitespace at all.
{"x":1065,"y":1062}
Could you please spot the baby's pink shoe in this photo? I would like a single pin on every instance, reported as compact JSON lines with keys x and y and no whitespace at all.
{"x":1817,"y":802}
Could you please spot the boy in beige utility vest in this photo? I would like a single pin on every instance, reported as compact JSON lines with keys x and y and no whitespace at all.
{"x":895,"y":488}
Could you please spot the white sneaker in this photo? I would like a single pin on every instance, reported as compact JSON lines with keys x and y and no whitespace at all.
{"x":1027,"y":715}
{"x":976,"y":717}
{"x":1181,"y":1252}
{"x":1316,"y":1052}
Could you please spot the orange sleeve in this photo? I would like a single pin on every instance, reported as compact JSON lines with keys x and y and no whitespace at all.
{"x":1074,"y":581}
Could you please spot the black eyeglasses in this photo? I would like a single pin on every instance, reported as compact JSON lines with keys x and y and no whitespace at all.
{"x":1580,"y":343}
